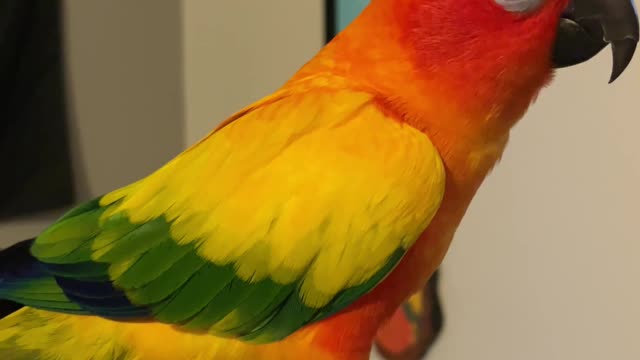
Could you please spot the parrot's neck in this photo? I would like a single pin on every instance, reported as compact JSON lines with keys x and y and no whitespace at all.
{"x":466,"y":98}
{"x":441,"y":83}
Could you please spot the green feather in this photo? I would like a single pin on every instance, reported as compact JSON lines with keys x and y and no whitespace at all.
{"x":153,"y":264}
{"x":224,"y":302}
{"x":72,"y":230}
{"x":81,"y":209}
{"x":53,"y":297}
{"x":348,"y":296}
{"x":31,"y":286}
{"x":86,"y":270}
{"x":69,"y":238}
{"x":177,"y":284}
{"x":112,"y":231}
{"x":59,"y":252}
{"x":256,"y":306}
{"x":80,"y":254}
{"x":201,"y":288}
{"x":53,"y":305}
{"x":136,"y":242}
{"x":169,"y":281}
{"x":290,"y":317}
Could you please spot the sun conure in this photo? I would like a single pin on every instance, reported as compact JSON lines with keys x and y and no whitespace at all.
{"x":299,"y":225}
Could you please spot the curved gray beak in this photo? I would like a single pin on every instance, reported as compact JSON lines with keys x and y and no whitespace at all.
{"x":587,"y":26}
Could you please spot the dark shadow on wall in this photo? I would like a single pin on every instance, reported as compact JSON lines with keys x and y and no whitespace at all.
{"x":35,"y":158}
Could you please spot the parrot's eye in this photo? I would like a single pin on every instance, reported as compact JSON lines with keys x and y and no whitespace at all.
{"x":520,"y":6}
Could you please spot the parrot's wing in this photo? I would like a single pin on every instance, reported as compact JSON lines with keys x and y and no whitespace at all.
{"x":279,"y":218}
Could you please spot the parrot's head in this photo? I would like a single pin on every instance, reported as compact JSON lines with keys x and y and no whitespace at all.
{"x":491,"y":57}
{"x":513,"y":33}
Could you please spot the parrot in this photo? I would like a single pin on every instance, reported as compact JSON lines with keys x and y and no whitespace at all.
{"x":298,"y":226}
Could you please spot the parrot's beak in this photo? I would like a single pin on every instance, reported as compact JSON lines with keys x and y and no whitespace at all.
{"x":587,"y":26}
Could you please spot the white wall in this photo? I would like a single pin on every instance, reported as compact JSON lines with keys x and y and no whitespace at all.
{"x":239,"y":51}
{"x":125,"y":81}
{"x":547,"y":262}
{"x":124,"y":63}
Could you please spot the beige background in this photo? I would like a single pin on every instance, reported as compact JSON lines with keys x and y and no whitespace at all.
{"x":125,"y":84}
{"x":545,"y":265}
{"x":239,"y":51}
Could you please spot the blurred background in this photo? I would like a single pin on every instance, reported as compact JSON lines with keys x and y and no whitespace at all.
{"x":545,"y":265}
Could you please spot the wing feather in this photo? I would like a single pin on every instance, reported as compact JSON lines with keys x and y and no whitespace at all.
{"x":281,"y":217}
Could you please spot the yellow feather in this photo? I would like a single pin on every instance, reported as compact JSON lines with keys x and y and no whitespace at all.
{"x":64,"y":337}
{"x":321,"y":185}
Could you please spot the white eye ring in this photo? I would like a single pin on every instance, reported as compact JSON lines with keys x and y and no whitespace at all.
{"x":520,"y":6}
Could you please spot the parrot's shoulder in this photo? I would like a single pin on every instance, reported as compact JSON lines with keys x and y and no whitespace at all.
{"x":310,"y":92}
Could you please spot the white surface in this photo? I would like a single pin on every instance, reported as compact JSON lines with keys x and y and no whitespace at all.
{"x":239,"y":51}
{"x":125,"y":93}
{"x":125,"y":84}
{"x":546,"y":264}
